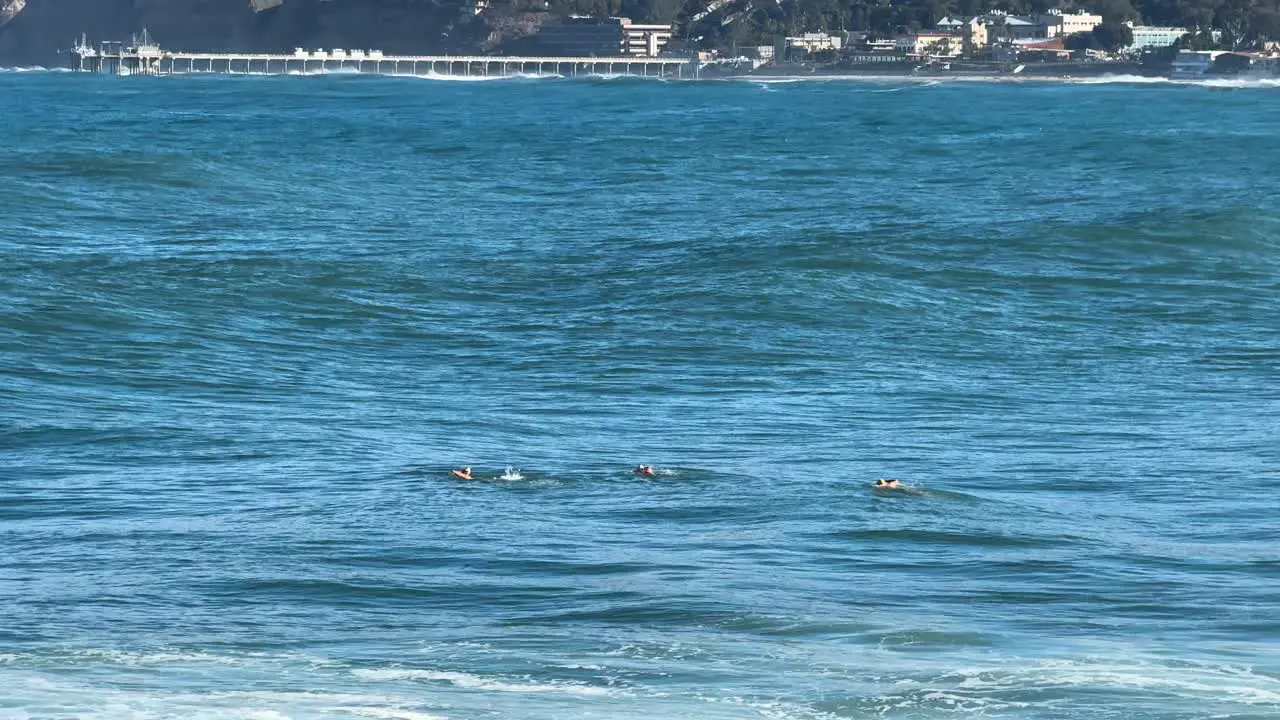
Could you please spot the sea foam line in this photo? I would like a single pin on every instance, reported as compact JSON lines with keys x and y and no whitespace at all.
{"x":467,"y":681}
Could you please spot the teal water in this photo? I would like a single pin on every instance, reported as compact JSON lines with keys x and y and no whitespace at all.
{"x":248,"y":324}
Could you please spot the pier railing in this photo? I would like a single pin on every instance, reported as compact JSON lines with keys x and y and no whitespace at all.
{"x":117,"y":59}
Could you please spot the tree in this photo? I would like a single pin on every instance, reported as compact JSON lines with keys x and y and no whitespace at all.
{"x":1112,"y":36}
{"x":940,"y":48}
{"x":1116,"y":10}
{"x":1079,"y":41}
{"x":1108,"y":37}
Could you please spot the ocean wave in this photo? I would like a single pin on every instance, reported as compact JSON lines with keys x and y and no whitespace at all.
{"x":1237,"y":83}
{"x":34,"y":69}
{"x":1120,"y":80}
{"x":1209,"y":82}
{"x":59,"y":697}
{"x":450,"y":77}
{"x":468,"y":681}
{"x":1072,"y":686}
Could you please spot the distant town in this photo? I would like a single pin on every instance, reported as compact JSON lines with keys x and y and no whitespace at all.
{"x":1054,"y":42}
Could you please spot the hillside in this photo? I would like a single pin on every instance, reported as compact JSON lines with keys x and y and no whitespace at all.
{"x":33,"y":31}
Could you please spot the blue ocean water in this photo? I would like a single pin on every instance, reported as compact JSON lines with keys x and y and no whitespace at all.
{"x":248,"y":324}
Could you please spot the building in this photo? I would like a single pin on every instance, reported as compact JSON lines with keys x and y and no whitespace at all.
{"x":943,"y":44}
{"x":602,"y":37}
{"x":976,"y":36}
{"x":879,"y":45}
{"x":644,"y":40}
{"x":1060,"y":24}
{"x":1042,"y":50}
{"x":971,"y":32}
{"x":1009,"y":28}
{"x":862,"y":58}
{"x":1191,"y":64}
{"x":1146,"y":36}
{"x":814,"y":42}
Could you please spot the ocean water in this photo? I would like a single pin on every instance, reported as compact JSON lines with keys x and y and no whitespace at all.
{"x":247,"y":325}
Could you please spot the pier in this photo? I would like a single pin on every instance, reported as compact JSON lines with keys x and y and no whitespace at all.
{"x":144,"y":57}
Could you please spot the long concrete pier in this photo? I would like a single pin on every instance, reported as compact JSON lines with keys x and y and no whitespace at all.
{"x":146,"y":58}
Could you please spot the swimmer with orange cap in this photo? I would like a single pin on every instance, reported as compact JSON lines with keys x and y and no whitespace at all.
{"x":644,"y":471}
{"x":463,"y":474}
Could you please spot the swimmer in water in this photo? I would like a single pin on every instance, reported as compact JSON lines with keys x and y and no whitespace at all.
{"x":890,"y":484}
{"x":644,"y":470}
{"x":464,"y":473}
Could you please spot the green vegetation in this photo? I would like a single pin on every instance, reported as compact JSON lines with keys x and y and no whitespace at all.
{"x":1110,"y":36}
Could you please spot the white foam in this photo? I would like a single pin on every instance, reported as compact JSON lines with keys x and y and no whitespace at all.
{"x":511,"y":475}
{"x":34,"y":69}
{"x":1183,"y":679}
{"x":448,"y":77}
{"x":386,"y":714}
{"x":1119,"y":80}
{"x":1241,"y":83}
{"x":623,"y":76}
{"x":64,"y":699}
{"x":467,"y":681}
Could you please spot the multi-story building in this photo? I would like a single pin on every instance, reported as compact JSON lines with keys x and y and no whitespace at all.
{"x":602,"y":37}
{"x":1146,"y":36}
{"x":944,"y":44}
{"x":1059,"y":24}
{"x":971,"y":32}
{"x":644,"y":40}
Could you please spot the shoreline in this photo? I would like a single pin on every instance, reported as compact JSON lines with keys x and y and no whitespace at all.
{"x":919,"y":79}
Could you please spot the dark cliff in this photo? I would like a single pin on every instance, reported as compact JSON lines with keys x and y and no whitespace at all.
{"x":38,"y":29}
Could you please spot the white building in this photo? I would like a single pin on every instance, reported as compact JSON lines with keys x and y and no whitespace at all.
{"x":1146,"y":36}
{"x":944,"y":44}
{"x":1060,"y":24}
{"x":645,"y":40}
{"x":814,"y":42}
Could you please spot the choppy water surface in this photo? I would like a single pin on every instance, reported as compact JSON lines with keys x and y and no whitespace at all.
{"x":247,"y":325}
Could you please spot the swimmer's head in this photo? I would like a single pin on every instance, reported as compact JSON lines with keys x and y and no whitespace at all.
{"x":890,"y":483}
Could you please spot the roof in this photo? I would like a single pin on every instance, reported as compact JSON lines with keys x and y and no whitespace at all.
{"x":1054,"y":44}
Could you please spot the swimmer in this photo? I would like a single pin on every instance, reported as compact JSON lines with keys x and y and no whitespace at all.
{"x":644,"y":470}
{"x":464,"y":473}
{"x":890,"y":484}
